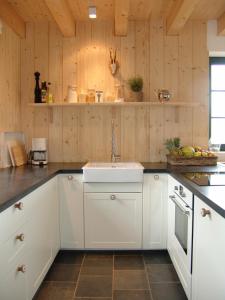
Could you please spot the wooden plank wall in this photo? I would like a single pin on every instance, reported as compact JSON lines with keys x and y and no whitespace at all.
{"x":9,"y":80}
{"x":179,"y":63}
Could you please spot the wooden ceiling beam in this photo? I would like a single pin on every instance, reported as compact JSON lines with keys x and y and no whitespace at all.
{"x":12,"y":19}
{"x":122,"y":8}
{"x":221,"y":25}
{"x":180,"y":12}
{"x":63,"y":16}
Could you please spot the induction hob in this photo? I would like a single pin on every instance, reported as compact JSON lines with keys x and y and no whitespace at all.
{"x":206,"y":178}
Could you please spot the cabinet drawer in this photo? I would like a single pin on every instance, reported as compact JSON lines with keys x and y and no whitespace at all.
{"x":123,"y":187}
{"x":13,"y":283}
{"x":13,"y":217}
{"x":13,"y":247}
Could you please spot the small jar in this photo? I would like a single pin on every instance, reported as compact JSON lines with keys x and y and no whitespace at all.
{"x":91,"y":96}
{"x":72,"y":94}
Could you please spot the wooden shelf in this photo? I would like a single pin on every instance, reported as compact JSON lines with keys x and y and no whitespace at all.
{"x":145,"y":103}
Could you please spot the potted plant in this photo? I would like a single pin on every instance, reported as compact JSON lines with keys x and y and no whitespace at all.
{"x":136,"y":86}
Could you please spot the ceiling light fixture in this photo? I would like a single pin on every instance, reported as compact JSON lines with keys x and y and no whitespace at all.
{"x":92,"y":12}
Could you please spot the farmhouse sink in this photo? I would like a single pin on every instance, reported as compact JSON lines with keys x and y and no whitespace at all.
{"x":113,"y":172}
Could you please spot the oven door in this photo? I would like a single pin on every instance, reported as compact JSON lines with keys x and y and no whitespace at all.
{"x":179,"y":241}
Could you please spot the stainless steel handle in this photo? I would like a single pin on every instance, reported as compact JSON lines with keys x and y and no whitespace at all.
{"x":156,"y":177}
{"x":20,"y":237}
{"x":184,"y":211}
{"x":205,"y":212}
{"x":21,"y":269}
{"x":19,"y":205}
{"x":113,"y":197}
{"x":70,"y":177}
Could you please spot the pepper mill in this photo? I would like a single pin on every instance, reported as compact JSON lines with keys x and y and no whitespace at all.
{"x":37,"y":90}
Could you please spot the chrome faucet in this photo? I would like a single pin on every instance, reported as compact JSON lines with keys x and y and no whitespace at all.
{"x":114,"y":157}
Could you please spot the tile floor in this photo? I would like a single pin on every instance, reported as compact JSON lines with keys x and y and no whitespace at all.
{"x":120,"y":275}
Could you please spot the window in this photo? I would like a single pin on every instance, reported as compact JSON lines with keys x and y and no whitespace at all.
{"x":217,"y":101}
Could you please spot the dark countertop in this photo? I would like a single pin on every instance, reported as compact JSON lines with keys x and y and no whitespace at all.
{"x":15,"y":183}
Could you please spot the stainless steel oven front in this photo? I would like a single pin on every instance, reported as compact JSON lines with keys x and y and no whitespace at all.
{"x":179,"y":244}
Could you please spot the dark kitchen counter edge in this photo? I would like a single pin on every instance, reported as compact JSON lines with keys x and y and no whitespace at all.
{"x":76,"y":168}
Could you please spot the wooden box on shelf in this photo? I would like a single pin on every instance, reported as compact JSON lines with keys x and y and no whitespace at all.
{"x":193,"y":161}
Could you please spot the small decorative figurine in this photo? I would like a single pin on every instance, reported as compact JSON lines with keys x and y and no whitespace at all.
{"x":113,"y":62}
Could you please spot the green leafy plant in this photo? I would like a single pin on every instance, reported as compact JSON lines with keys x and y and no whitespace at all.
{"x":173,"y":145}
{"x":136,"y":84}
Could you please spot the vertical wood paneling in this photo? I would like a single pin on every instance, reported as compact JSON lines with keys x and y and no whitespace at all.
{"x":200,"y":83}
{"x":55,"y":63}
{"x":128,"y":57}
{"x":27,"y":83}
{"x":84,"y":133}
{"x":70,"y":133}
{"x":156,"y":114}
{"x":9,"y":80}
{"x":69,"y":64}
{"x":128,"y":127}
{"x":185,"y":63}
{"x":156,"y":57}
{"x":142,"y":54}
{"x":157,"y":122}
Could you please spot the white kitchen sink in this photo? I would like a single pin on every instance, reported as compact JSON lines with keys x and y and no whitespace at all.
{"x":113,"y":172}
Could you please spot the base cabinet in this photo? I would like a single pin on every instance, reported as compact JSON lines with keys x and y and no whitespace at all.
{"x":29,"y":250}
{"x":71,"y":211}
{"x":113,"y":220}
{"x":208,"y":254}
{"x":155,"y":211}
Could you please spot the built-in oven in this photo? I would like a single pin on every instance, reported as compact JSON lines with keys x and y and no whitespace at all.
{"x":180,"y":223}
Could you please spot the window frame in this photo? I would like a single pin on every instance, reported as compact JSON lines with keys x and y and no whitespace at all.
{"x":214,"y":61}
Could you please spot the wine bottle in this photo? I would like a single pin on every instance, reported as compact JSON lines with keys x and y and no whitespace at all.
{"x":43,"y":92}
{"x":37,"y":90}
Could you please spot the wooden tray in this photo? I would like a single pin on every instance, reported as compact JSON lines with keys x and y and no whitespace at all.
{"x":194,"y":161}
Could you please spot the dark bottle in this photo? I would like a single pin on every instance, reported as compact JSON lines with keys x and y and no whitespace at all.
{"x":37,"y":90}
{"x":43,"y":91}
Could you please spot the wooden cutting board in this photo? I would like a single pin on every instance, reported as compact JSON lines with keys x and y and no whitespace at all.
{"x":19,"y":155}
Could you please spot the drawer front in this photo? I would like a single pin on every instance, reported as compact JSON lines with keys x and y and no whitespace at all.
{"x":16,"y":215}
{"x":12,"y":218}
{"x":13,"y":283}
{"x":13,"y":247}
{"x":123,"y":187}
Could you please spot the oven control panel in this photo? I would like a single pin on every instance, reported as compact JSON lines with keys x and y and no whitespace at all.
{"x":181,"y":191}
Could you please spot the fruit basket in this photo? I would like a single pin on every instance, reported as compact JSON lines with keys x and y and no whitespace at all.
{"x":192,"y":161}
{"x":188,"y":155}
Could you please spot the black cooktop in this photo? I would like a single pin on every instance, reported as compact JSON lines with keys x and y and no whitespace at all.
{"x":206,"y":178}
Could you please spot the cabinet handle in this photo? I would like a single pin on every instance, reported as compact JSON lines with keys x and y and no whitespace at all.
{"x":20,"y":237}
{"x":19,"y":205}
{"x":21,"y":269}
{"x":70,"y":177}
{"x":156,"y":177}
{"x":205,"y":212}
{"x":113,"y":197}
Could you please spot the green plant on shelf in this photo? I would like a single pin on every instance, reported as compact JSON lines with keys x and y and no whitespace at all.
{"x":136,"y":84}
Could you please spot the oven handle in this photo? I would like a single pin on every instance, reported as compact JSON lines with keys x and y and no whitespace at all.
{"x":184,"y":211}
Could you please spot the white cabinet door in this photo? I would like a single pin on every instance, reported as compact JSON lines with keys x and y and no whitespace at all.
{"x":208,"y":256}
{"x":71,"y":211}
{"x":113,"y":221}
{"x":39,"y":238}
{"x":155,"y":211}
